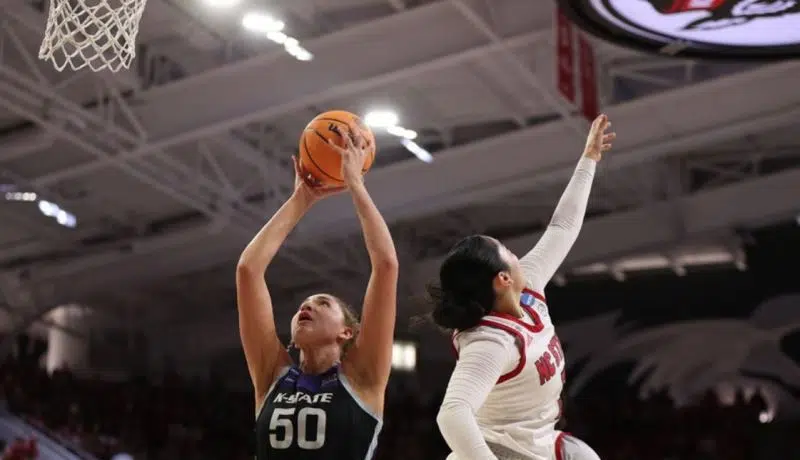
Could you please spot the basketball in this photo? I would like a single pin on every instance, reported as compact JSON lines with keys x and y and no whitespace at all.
{"x":321,"y":160}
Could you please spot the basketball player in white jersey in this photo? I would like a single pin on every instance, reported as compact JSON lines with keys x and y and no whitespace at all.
{"x":503,"y":399}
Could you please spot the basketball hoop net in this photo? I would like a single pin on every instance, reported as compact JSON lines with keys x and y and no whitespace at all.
{"x":99,"y":34}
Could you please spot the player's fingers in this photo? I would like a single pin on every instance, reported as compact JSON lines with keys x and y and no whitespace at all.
{"x":310,"y":180}
{"x":600,"y":120}
{"x":605,"y":147}
{"x":356,"y":133}
{"x":336,"y":146}
{"x":350,"y":139}
{"x":609,"y":137}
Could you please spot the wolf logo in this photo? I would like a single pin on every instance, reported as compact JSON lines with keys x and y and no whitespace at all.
{"x":726,"y":13}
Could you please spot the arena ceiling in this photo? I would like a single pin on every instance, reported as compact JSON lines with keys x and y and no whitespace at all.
{"x":172,"y":166}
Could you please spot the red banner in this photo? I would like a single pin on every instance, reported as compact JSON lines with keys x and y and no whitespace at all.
{"x":588,"y":78}
{"x":565,"y":57}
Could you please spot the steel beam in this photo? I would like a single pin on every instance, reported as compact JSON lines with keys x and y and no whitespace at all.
{"x":675,"y":122}
{"x":551,"y":99}
{"x":708,"y":213}
{"x":244,"y":220}
{"x":239,"y":93}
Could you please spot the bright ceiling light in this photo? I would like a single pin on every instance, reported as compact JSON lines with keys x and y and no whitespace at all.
{"x":278,"y":37}
{"x":417,"y":150}
{"x":222,"y":3}
{"x":381,"y":119}
{"x":399,"y":131}
{"x":302,"y":54}
{"x":261,"y":23}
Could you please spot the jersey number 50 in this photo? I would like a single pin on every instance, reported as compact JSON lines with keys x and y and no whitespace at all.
{"x":282,"y":421}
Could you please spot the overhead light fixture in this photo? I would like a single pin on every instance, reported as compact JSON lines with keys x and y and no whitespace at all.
{"x":222,"y":3}
{"x":399,"y":131}
{"x":388,"y":121}
{"x":381,"y":119}
{"x":261,"y":23}
{"x":61,"y":216}
{"x":272,"y":28}
{"x":293,"y":47}
{"x":278,"y":37}
{"x":20,"y":196}
{"x":417,"y":151}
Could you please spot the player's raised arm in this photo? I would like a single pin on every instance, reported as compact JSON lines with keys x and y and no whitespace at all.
{"x":262,"y":348}
{"x":371,"y":355}
{"x":540,"y":263}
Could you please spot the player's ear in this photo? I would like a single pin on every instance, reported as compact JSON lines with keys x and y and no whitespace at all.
{"x":503,"y":280}
{"x":346,"y":334}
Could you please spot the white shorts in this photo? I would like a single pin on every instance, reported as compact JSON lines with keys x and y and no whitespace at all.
{"x":567,"y":447}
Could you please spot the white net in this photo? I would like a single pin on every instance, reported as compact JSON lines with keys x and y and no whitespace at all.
{"x":99,"y":34}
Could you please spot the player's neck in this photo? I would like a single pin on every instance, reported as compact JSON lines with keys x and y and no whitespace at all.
{"x":509,"y":304}
{"x":319,"y":359}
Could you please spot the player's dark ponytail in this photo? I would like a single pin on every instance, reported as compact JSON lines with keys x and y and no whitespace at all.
{"x":465,"y":292}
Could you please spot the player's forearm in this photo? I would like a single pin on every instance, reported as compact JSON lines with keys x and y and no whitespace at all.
{"x":482,"y":360}
{"x":571,"y":207}
{"x":377,"y":237}
{"x":541,"y":263}
{"x":462,"y":434}
{"x":263,"y":247}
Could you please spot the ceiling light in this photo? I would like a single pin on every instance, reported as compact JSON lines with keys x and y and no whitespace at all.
{"x":399,"y":131}
{"x":222,"y":3}
{"x":261,"y":23}
{"x":278,"y":37}
{"x":381,"y":119}
{"x":417,"y":151}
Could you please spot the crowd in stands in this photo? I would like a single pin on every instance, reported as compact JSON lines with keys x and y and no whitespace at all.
{"x":176,"y":419}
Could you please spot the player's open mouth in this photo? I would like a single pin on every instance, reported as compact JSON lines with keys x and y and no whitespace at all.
{"x":304,"y":316}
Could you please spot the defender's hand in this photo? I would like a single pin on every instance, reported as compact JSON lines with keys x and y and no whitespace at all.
{"x":599,"y":140}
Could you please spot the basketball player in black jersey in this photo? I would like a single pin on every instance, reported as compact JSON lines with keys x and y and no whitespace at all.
{"x":329,"y":405}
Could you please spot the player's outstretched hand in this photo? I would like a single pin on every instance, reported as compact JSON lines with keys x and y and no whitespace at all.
{"x":309,"y":188}
{"x":599,"y":140}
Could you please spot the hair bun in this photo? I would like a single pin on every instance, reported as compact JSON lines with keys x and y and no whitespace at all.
{"x":454,"y":313}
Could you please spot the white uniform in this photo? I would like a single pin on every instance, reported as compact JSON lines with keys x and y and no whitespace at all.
{"x":521,"y":410}
{"x":503,"y":399}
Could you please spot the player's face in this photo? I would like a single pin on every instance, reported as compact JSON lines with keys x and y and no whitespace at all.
{"x":319,"y":321}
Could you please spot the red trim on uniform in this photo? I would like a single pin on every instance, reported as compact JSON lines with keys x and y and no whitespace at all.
{"x":453,"y":344}
{"x":537,"y":321}
{"x":538,"y":295}
{"x":537,"y":327}
{"x":520,"y":346}
{"x":559,"y":445}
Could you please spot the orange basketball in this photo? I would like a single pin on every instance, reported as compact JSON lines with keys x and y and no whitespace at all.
{"x":320,"y":159}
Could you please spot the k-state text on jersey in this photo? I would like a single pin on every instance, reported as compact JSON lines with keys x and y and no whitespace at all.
{"x":293,"y":398}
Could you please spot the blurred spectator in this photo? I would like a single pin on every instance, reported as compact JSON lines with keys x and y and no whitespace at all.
{"x":22,"y":449}
{"x":176,"y":419}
